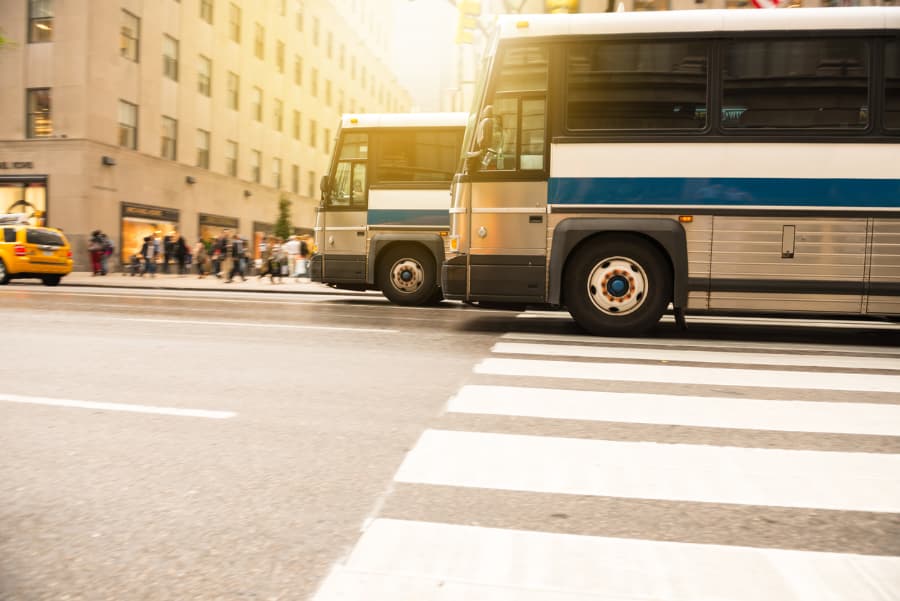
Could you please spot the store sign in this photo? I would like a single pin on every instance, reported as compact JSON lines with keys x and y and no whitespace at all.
{"x":147,"y":212}
{"x":16,"y":165}
{"x":218,"y":221}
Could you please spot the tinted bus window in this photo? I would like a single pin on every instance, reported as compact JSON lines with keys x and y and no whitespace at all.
{"x":637,"y":85}
{"x":892,"y":85}
{"x":427,"y":156}
{"x":796,"y":84}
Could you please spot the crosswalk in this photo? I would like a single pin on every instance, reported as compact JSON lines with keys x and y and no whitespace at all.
{"x":573,"y":468}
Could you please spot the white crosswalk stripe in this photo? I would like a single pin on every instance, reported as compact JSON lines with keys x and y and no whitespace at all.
{"x":766,"y":393}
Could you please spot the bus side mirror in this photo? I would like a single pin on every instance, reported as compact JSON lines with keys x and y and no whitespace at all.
{"x":324,"y":187}
{"x":484,"y":136}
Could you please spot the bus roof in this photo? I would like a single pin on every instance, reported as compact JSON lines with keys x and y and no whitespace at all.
{"x":370,"y":120}
{"x":686,"y":21}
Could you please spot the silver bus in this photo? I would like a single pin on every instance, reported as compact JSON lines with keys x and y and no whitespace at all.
{"x":382,"y":222}
{"x":731,"y":161}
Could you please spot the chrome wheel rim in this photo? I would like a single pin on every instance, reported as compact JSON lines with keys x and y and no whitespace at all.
{"x":407,"y":275}
{"x":617,"y":286}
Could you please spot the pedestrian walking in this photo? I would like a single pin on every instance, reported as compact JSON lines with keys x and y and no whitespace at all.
{"x":235,"y":253}
{"x":181,"y":254}
{"x":149,"y":253}
{"x":201,"y":259}
{"x":108,"y":249}
{"x":95,"y":248}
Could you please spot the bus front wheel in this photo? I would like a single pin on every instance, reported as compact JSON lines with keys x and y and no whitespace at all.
{"x":618,"y":286}
{"x":407,"y":276}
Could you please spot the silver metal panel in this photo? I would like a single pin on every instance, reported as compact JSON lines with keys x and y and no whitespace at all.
{"x":824,"y":249}
{"x":509,"y":218}
{"x":344,"y":233}
{"x":773,"y":302}
{"x":886,"y":251}
{"x":884,"y":305}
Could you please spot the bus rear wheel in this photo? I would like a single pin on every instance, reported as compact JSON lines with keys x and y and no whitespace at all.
{"x":617,"y":286}
{"x":407,"y":276}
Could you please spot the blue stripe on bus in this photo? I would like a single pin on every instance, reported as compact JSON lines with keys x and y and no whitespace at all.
{"x":736,"y":191}
{"x":409,"y":217}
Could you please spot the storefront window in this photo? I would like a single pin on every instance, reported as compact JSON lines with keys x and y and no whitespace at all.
{"x":24,"y":197}
{"x":140,"y":221}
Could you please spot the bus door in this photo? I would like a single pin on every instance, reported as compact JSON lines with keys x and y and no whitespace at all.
{"x":344,"y":211}
{"x":508,"y":237}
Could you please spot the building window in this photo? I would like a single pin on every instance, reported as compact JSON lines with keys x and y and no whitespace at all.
{"x":297,"y":125}
{"x":278,"y":115}
{"x":329,"y":45}
{"x":206,"y":10}
{"x":130,"y":36}
{"x":259,"y":41}
{"x":231,"y":158}
{"x":234,"y":23}
{"x":298,"y":70}
{"x":295,"y":179}
{"x":326,"y":134}
{"x":341,"y":101}
{"x":40,"y":124}
{"x":127,"y":125}
{"x":327,"y":92}
{"x":312,"y":132}
{"x":40,"y":21}
{"x":342,"y":56}
{"x":353,"y":68}
{"x":204,"y":74}
{"x":314,"y":83}
{"x":170,"y":57}
{"x":255,"y":165}
{"x":311,"y":184}
{"x":203,"y":148}
{"x":279,"y":56}
{"x":233,"y":93}
{"x":256,"y":103}
{"x":315,"y":31}
{"x":276,"y":173}
{"x":282,"y":7}
{"x":169,"y":138}
{"x":299,"y":21}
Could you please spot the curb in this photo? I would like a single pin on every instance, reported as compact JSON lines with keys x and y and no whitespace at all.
{"x":224,"y":288}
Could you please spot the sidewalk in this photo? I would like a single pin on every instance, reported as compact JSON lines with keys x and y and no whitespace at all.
{"x":192,"y":282}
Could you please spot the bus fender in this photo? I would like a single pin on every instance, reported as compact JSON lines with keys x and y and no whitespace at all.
{"x":667,"y":233}
{"x":433,"y":242}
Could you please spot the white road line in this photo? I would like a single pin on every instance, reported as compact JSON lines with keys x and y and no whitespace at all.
{"x":708,"y":412}
{"x":619,"y":352}
{"x":12,"y":398}
{"x":705,"y":344}
{"x":240,"y":324}
{"x":399,"y":559}
{"x":671,"y":374}
{"x":642,"y":470}
{"x":748,"y":320}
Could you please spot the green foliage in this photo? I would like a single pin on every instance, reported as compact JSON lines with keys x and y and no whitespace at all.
{"x":283,"y":226}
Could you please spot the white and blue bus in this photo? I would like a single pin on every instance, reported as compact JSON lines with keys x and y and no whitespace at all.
{"x":382,"y":223}
{"x":729,"y":161}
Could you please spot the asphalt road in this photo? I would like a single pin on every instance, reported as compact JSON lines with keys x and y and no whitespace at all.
{"x":263,"y":433}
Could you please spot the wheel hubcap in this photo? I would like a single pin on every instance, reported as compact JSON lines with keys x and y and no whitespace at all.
{"x":617,"y":286}
{"x":407,"y":275}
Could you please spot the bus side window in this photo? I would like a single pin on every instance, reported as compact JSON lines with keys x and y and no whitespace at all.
{"x":358,"y":193}
{"x":340,"y":190}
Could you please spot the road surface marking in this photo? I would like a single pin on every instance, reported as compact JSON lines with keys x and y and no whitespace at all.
{"x":12,"y":398}
{"x":645,"y":470}
{"x":704,"y":344}
{"x":670,"y":354}
{"x":706,"y":376}
{"x":707,"y":412}
{"x":242,"y":324}
{"x":400,"y":559}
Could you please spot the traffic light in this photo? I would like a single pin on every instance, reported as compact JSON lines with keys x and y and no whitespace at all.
{"x":561,"y":6}
{"x":467,"y":23}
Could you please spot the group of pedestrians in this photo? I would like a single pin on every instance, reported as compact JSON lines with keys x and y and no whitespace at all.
{"x":101,"y":248}
{"x":171,"y":250}
{"x":227,"y":256}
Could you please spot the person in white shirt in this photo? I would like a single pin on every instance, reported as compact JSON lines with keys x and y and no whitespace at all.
{"x":292,"y":249}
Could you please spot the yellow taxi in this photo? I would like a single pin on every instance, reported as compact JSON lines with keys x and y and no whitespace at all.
{"x":29,"y":251}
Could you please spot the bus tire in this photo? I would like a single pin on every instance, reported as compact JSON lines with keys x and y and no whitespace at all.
{"x":407,"y":276}
{"x":617,"y":286}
